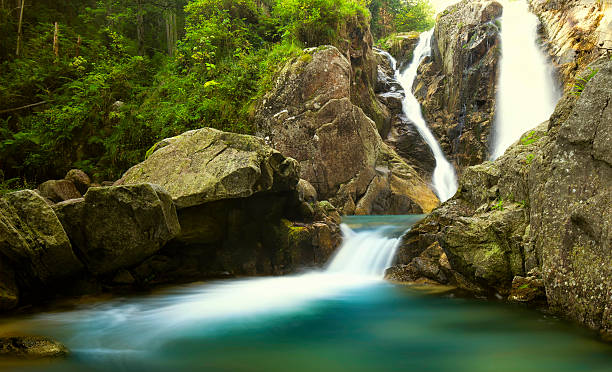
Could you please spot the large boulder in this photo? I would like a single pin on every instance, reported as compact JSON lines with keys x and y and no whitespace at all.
{"x":33,"y":241}
{"x":309,"y":115}
{"x":457,"y":85}
{"x":206,"y":165}
{"x":538,"y":214}
{"x":119,"y":226}
{"x":240,"y":207}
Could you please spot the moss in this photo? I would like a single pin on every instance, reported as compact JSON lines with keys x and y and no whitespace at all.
{"x":306,"y":58}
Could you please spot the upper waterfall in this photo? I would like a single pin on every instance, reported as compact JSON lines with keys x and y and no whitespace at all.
{"x":527,"y":92}
{"x":444,"y":179}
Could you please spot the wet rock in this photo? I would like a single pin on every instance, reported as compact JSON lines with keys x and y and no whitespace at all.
{"x":527,"y":289}
{"x":119,"y":226}
{"x":31,"y":347}
{"x":457,"y":85}
{"x":80,"y":180}
{"x":9,"y":293}
{"x":59,"y":190}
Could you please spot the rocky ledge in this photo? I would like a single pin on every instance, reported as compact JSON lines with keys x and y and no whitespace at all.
{"x":537,"y":220}
{"x":205,"y":204}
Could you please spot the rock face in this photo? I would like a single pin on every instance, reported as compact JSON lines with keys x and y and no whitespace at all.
{"x":456,"y":86}
{"x":31,"y":347}
{"x":119,"y":226}
{"x":577,"y":32}
{"x":206,"y":165}
{"x":543,"y":207}
{"x":309,"y":116}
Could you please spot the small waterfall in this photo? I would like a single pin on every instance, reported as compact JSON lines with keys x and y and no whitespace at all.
{"x":122,"y":327}
{"x":527,"y":92}
{"x":444,"y":179}
{"x":366,"y":253}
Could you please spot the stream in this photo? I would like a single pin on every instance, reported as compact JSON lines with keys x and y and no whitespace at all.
{"x":342,"y":318}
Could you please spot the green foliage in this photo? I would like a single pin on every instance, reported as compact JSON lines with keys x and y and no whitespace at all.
{"x":499,"y":205}
{"x":529,"y":158}
{"x":116,"y":89}
{"x":390,"y":16}
{"x":529,"y":138}
{"x":582,"y":81}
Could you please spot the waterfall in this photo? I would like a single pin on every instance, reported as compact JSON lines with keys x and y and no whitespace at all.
{"x":119,"y":327}
{"x":527,"y":92}
{"x":366,"y":253}
{"x":444,"y":179}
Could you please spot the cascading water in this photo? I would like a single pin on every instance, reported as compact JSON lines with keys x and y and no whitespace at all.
{"x":444,"y":179}
{"x":119,"y":327}
{"x":527,"y":92}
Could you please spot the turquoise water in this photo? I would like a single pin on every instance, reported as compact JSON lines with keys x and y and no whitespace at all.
{"x":312,"y":322}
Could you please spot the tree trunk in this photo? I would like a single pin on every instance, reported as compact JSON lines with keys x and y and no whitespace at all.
{"x":140,"y":28}
{"x":56,"y":41}
{"x":78,"y":46}
{"x":19,"y":29}
{"x":168,"y":37}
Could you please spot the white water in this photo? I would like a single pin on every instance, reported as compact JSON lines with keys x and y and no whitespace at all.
{"x":527,"y":92}
{"x":444,"y":179}
{"x":136,"y":325}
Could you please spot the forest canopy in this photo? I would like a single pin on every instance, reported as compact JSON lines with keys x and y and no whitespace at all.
{"x":94,"y":84}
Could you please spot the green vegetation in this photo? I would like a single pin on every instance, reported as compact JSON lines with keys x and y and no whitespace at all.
{"x":120,"y":75}
{"x":389,"y":16}
{"x":582,"y":81}
{"x":529,"y":138}
{"x":499,"y":205}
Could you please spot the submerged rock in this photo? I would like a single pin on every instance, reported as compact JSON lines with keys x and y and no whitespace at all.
{"x":309,"y":116}
{"x":119,"y":226}
{"x":31,"y":347}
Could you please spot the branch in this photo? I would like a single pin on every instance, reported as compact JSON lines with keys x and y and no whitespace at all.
{"x":23,"y":107}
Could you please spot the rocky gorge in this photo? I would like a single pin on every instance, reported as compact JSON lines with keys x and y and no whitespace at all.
{"x":533,"y":226}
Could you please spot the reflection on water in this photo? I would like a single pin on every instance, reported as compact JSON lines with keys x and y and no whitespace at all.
{"x":321,"y":321}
